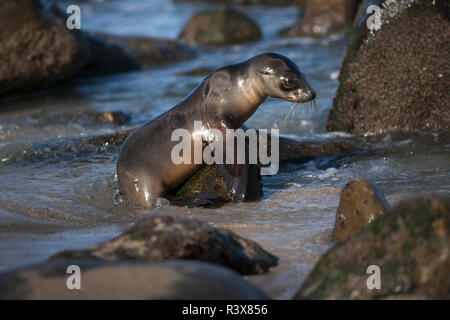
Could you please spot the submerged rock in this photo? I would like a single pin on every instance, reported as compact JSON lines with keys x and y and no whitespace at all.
{"x":220,"y":27}
{"x":395,"y":77}
{"x":360,"y":203}
{"x":166,"y":238}
{"x":39,"y":51}
{"x":207,"y":188}
{"x":410,"y":245}
{"x":106,"y":280}
{"x":149,"y":51}
{"x":322,"y":17}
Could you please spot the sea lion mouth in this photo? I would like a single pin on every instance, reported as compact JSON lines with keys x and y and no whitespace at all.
{"x":301,"y":96}
{"x":300,"y":100}
{"x":303,"y":100}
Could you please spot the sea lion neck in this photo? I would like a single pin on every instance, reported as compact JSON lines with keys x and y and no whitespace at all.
{"x":242,"y":93}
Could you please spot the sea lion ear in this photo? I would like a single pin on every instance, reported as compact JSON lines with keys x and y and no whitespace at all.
{"x":206,"y":90}
{"x":267,"y":71}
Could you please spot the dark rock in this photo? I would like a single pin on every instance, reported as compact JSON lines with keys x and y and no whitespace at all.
{"x":207,"y":188}
{"x":220,"y":27}
{"x":150,"y":51}
{"x":360,"y":203}
{"x":323,"y":17}
{"x":396,"y":79}
{"x":106,"y":58}
{"x":410,"y":244}
{"x":38,"y":51}
{"x":206,"y":181}
{"x":292,"y":150}
{"x":102,"y":280}
{"x":167,"y":238}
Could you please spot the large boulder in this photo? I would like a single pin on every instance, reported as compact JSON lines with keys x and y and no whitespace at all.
{"x":395,"y":78}
{"x":360,"y":203}
{"x":177,"y":280}
{"x":38,"y":50}
{"x":164,"y":237}
{"x":220,"y":27}
{"x":323,"y":17}
{"x":411,"y":247}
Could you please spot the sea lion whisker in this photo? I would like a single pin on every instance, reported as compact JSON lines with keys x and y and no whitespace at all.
{"x":302,"y":110}
{"x":290,"y":110}
{"x":295,"y":110}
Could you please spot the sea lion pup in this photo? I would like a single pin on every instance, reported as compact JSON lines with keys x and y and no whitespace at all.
{"x":225,"y":99}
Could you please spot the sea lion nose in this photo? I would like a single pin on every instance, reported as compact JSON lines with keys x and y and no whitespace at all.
{"x":312,"y":93}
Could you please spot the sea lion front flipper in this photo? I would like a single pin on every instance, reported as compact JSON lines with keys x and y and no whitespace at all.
{"x":235,"y":174}
{"x":236,"y":179}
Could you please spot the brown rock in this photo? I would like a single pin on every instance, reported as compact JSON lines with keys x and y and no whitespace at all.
{"x":360,"y":203}
{"x":106,"y":58}
{"x":36,"y":48}
{"x":207,"y":188}
{"x":322,"y":17}
{"x":396,"y":79}
{"x":38,"y":51}
{"x":410,"y":245}
{"x":220,"y":27}
{"x":164,"y":237}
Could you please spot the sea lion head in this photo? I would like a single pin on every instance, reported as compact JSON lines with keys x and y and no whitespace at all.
{"x":277,"y":76}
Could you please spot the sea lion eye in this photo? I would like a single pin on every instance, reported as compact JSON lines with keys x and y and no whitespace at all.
{"x":288,"y":84}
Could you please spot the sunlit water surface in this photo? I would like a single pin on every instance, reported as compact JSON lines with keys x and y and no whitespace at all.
{"x":52,"y":198}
